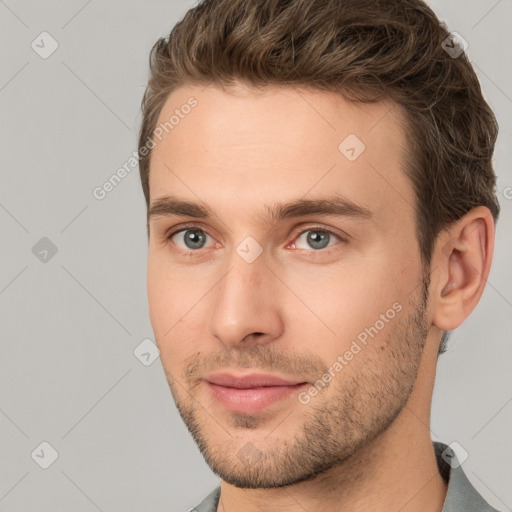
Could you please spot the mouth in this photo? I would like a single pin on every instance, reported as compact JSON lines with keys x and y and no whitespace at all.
{"x":251,"y":393}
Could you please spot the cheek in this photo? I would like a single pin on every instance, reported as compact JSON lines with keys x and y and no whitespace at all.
{"x":166,"y":297}
{"x":346,"y":301}
{"x":159,"y":295}
{"x":175,"y":310}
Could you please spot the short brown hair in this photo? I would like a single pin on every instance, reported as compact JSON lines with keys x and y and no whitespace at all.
{"x":366,"y":50}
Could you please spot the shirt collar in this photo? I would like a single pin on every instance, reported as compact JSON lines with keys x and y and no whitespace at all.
{"x":461,"y":496}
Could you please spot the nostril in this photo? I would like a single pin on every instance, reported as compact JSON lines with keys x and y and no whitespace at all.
{"x":253,"y":334}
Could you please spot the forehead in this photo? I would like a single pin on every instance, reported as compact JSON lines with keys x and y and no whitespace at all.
{"x":251,"y":147}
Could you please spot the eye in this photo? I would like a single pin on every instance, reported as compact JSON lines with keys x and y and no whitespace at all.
{"x":316,"y":239}
{"x":189,"y":239}
{"x":192,"y":239}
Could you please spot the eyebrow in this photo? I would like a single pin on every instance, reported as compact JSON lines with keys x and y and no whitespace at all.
{"x":336,"y":206}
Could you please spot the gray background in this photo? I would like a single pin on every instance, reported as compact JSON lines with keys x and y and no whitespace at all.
{"x":69,"y":325}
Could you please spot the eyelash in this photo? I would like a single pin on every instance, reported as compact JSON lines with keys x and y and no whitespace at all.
{"x":311,"y":228}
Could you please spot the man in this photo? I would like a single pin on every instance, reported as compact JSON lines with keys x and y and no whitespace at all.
{"x":321,"y":213}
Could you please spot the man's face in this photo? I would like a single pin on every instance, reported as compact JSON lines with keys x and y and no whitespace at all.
{"x":331,"y":302}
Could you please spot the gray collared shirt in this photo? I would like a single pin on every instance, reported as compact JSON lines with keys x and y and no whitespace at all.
{"x":461,"y":496}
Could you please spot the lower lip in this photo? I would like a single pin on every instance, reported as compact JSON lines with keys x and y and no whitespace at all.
{"x":252,"y":400}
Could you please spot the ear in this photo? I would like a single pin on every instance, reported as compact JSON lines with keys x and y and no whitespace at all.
{"x":461,"y":262}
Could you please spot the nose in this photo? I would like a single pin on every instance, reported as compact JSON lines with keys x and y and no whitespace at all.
{"x":246,"y":306}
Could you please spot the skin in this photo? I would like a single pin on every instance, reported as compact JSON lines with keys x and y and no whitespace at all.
{"x":297,"y":307}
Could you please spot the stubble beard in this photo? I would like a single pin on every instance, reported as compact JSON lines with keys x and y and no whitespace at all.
{"x":333,"y":427}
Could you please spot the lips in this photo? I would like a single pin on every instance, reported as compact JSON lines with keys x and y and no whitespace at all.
{"x":249,"y":381}
{"x":251,"y":393}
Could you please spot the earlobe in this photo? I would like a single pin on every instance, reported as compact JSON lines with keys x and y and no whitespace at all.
{"x":463,"y":259}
